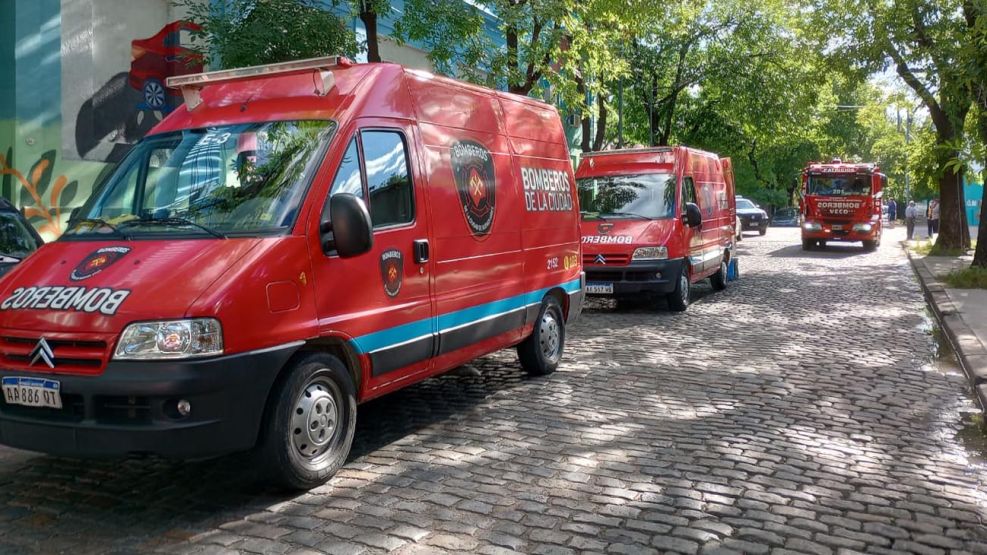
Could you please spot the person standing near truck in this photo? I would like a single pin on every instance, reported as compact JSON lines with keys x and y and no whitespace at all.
{"x":910,"y":213}
{"x":933,"y":216}
{"x":892,"y":211}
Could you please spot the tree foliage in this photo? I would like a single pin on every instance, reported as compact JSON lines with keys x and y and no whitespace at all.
{"x":239,"y":33}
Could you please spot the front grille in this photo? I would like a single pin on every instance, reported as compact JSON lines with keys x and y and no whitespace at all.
{"x":74,"y":356}
{"x":122,"y":408}
{"x":611,"y":259}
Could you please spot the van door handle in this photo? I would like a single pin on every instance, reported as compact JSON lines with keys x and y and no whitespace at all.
{"x":421,"y":251}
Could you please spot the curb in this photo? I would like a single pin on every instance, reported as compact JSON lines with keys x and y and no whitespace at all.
{"x":971,"y":353}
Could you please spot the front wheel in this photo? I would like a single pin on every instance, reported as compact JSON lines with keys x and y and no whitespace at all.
{"x":871,"y":246}
{"x":762,"y":231}
{"x":719,"y":279}
{"x":808,"y":244}
{"x":678,"y":300}
{"x":541,"y":352}
{"x":311,"y":419}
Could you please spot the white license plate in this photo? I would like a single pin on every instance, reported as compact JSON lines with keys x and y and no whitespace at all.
{"x":837,"y":228}
{"x":599,"y":288}
{"x":32,"y":392}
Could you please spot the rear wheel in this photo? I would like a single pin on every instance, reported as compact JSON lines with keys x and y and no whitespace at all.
{"x":541,"y":352}
{"x":719,"y":279}
{"x":310,"y":423}
{"x":678,"y":300}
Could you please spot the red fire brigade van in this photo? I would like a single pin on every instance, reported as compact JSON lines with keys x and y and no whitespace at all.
{"x":654,"y":221}
{"x":295,"y":239}
{"x":841,"y":202}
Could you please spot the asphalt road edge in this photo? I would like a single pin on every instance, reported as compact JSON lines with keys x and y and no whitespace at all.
{"x":969,"y":349}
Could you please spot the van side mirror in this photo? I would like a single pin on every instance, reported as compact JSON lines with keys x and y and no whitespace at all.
{"x":349,"y":231}
{"x":693,"y":217}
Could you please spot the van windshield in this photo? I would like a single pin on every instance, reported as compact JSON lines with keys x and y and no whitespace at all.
{"x":650,"y":195}
{"x":839,"y":185}
{"x":233,"y":180}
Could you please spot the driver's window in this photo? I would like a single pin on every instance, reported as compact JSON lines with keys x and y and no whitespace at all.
{"x":348,"y":177}
{"x":688,"y":192}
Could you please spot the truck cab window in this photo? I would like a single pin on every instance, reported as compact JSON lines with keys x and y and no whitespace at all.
{"x":386,"y":160}
{"x":348,"y":178}
{"x":688,"y":192}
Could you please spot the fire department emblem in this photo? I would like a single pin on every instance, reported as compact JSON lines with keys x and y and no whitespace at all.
{"x":97,"y":261}
{"x":392,"y":271}
{"x":604,"y":228}
{"x":473,"y":169}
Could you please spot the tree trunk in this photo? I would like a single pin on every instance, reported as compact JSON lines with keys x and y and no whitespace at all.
{"x":601,"y":123}
{"x":584,"y":123}
{"x":954,"y":233}
{"x":369,"y":18}
{"x":980,"y":256}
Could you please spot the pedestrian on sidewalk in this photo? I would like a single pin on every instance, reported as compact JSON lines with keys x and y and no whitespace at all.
{"x":933,"y":217}
{"x":910,"y":214}
{"x":892,"y":211}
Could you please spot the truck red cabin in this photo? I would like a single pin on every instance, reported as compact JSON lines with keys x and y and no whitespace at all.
{"x":842,"y":202}
{"x":638,"y":241}
{"x":364,"y":225}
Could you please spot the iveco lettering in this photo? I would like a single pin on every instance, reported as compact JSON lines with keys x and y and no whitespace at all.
{"x":297,"y":238}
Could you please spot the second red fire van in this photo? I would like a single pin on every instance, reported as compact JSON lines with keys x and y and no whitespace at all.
{"x":295,"y":239}
{"x":655,"y":221}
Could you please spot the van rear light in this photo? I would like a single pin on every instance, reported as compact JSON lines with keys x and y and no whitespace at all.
{"x":322,"y":77}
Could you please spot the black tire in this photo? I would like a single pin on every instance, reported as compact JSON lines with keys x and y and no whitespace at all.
{"x":808,"y":244}
{"x":678,"y":300}
{"x":871,"y":246}
{"x":719,"y":279}
{"x":315,"y":395}
{"x":541,"y":352}
{"x":821,"y":244}
{"x":763,"y":231}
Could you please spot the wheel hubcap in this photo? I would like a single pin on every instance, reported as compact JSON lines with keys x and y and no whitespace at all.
{"x":314,"y":420}
{"x":550,"y":337}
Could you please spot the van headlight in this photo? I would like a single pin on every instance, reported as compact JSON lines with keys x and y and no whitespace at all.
{"x":170,"y":339}
{"x":862,"y":227}
{"x":812,"y":226}
{"x":650,"y":253}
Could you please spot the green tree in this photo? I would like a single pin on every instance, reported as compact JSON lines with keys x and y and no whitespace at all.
{"x":922,"y":40}
{"x":239,"y":33}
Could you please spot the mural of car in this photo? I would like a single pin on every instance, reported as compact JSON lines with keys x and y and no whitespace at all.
{"x":165,"y":54}
{"x":17,"y":237}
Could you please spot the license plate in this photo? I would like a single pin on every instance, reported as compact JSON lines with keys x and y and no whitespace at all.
{"x":599,"y":288}
{"x":837,"y":228}
{"x":32,"y":392}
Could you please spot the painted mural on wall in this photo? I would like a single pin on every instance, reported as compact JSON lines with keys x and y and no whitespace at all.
{"x":130,"y":103}
{"x":43,"y":195}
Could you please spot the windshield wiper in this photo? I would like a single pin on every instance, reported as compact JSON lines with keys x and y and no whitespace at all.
{"x":630,"y":214}
{"x":103,"y":223}
{"x":173,"y":221}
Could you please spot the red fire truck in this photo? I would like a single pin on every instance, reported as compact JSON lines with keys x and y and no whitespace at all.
{"x":841,"y":202}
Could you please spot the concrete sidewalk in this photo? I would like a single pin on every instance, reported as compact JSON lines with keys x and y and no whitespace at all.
{"x":962,"y":313}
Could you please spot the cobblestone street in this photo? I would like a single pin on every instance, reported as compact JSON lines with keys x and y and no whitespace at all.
{"x":807,"y":408}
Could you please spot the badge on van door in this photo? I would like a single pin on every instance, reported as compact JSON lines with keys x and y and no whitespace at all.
{"x":473,"y":168}
{"x":392,"y":271}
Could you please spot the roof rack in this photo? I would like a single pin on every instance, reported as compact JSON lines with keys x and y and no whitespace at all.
{"x":323,"y":79}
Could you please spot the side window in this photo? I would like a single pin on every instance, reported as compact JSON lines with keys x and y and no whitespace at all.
{"x":688,"y":192}
{"x":386,"y":161}
{"x":348,"y":178}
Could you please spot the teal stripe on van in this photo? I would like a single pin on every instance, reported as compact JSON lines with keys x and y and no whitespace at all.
{"x":404,"y":333}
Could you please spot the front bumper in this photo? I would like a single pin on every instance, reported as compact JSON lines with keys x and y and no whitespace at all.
{"x":750,"y":224}
{"x":829,"y":234}
{"x":131,"y":408}
{"x":637,"y":277}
